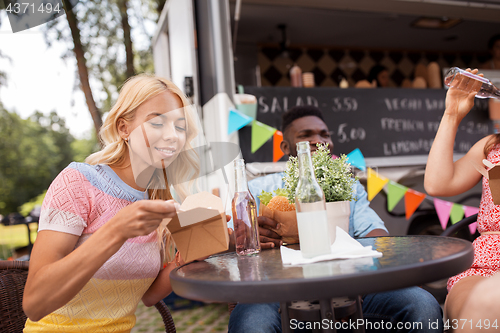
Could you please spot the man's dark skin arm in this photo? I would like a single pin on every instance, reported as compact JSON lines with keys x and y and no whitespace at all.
{"x":268,"y":238}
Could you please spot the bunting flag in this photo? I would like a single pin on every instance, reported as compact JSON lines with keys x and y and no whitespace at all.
{"x":260,"y":134}
{"x":468,"y":212}
{"x":375,"y":183}
{"x":395,"y":193}
{"x":443,"y":209}
{"x":456,"y":213}
{"x":413,"y":199}
{"x":277,"y":152}
{"x":357,"y":159}
{"x":236,"y":121}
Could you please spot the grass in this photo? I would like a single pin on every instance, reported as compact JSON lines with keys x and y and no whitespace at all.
{"x":15,"y":236}
{"x":201,"y":319}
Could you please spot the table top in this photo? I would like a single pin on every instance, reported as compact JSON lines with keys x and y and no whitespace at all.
{"x":406,"y":261}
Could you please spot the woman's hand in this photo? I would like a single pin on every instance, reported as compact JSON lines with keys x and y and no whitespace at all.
{"x":460,"y":97}
{"x":141,"y":217}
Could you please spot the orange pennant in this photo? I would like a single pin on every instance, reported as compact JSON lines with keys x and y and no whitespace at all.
{"x":413,"y":199}
{"x":277,"y":152}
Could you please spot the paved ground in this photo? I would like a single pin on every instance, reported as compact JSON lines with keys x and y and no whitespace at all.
{"x":200,"y":319}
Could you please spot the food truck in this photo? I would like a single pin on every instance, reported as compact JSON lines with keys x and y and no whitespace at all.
{"x":215,"y":49}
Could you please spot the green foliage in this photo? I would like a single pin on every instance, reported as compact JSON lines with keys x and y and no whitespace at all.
{"x":27,"y":207}
{"x":84,"y":147}
{"x":333,"y":175}
{"x":102,"y":37}
{"x":32,"y":152}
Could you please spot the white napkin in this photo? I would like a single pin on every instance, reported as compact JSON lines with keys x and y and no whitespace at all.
{"x":344,"y":247}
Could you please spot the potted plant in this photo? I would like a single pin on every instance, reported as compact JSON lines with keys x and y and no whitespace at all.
{"x":335,"y":177}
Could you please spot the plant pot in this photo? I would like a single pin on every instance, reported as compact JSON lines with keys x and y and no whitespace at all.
{"x":338,"y":213}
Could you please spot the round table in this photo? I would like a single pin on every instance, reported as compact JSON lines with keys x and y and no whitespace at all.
{"x":406,"y":261}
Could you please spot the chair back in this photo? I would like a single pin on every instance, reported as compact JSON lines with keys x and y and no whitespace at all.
{"x":13,"y":276}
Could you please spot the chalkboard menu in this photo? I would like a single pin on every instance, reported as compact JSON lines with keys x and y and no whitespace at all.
{"x":384,"y":123}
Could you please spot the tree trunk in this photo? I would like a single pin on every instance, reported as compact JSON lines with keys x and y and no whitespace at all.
{"x":82,"y":67}
{"x":127,"y":38}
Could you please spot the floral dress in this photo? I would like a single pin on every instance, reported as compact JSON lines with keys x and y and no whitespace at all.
{"x":487,"y":246}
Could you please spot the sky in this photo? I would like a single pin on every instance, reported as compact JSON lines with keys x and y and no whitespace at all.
{"x":39,"y":80}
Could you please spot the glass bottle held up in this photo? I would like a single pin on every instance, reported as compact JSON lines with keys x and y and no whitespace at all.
{"x":310,"y":205}
{"x":246,"y":228}
{"x":460,"y":79}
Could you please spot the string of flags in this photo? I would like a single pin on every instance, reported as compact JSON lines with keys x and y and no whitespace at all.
{"x":260,"y":132}
{"x":445,"y":210}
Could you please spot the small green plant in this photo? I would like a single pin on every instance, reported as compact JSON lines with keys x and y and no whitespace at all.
{"x":333,"y":175}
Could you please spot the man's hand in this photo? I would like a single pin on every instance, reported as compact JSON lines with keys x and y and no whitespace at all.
{"x":268,"y":238}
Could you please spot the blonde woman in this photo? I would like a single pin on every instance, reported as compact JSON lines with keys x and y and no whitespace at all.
{"x":100,"y":246}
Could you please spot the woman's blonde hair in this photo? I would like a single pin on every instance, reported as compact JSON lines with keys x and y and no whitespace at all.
{"x":182,"y":172}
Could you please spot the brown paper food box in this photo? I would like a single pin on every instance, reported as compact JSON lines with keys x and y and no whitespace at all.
{"x":494,"y":180}
{"x":289,"y":230}
{"x":205,"y":228}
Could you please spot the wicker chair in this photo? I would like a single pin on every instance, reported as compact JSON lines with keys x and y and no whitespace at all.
{"x":13,"y":276}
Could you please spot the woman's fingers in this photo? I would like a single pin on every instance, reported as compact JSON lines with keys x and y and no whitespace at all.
{"x":143,"y":217}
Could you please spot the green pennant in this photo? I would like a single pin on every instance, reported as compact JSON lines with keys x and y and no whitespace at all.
{"x":395,"y":192}
{"x":260,"y":134}
{"x":456,"y":213}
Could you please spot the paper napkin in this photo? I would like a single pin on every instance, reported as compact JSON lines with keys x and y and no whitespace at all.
{"x":344,"y":247}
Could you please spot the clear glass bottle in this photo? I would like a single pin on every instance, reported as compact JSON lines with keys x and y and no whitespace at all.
{"x":246,"y":228}
{"x":466,"y":81}
{"x":296,"y":76}
{"x":310,"y":205}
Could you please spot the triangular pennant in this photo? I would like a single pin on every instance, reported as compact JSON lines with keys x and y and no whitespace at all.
{"x":357,"y":159}
{"x":470,"y":211}
{"x":472,"y":228}
{"x":457,"y":213}
{"x":277,"y":152}
{"x":260,"y":134}
{"x":236,"y":121}
{"x":375,"y":183}
{"x":413,"y":199}
{"x":443,"y":209}
{"x":395,"y":193}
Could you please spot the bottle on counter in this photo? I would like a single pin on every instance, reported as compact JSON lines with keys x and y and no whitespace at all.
{"x":308,"y":79}
{"x":246,"y":228}
{"x":296,"y":76}
{"x":343,"y":83}
{"x":311,"y":208}
{"x":455,"y":79}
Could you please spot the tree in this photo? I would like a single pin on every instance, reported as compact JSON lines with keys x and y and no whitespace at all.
{"x":32,"y":152}
{"x":82,"y":67}
{"x":101,"y":35}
